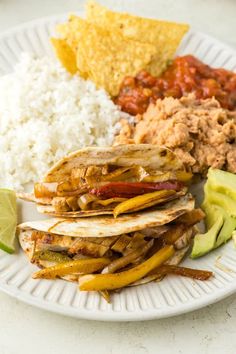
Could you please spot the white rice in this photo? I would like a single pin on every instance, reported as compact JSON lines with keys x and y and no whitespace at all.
{"x":46,"y":113}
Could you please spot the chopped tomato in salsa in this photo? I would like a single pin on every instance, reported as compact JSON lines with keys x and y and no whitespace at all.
{"x":185,"y":75}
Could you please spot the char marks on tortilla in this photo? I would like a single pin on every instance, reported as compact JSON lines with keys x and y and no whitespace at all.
{"x":108,"y":226}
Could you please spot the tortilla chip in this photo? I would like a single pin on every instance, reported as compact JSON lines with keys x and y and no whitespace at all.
{"x":68,"y":31}
{"x":63,"y":30}
{"x":166,"y":36}
{"x":65,"y":54}
{"x":107,"y":56}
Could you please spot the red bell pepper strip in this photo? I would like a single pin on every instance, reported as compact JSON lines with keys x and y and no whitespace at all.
{"x":130,"y":190}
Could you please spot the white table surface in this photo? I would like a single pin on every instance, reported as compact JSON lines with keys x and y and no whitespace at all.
{"x":26,"y":330}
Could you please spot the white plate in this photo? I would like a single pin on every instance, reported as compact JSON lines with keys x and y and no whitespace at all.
{"x":172,"y":296}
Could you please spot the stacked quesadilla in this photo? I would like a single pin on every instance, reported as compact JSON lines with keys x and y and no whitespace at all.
{"x":121,"y":217}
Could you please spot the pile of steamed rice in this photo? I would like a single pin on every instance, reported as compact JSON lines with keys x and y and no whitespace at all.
{"x":46,"y":113}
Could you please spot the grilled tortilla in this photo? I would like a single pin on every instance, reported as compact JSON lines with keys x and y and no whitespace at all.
{"x":106,"y":226}
{"x":113,"y":180}
{"x":104,"y":236}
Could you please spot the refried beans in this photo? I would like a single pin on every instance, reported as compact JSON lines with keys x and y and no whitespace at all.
{"x":200,"y":132}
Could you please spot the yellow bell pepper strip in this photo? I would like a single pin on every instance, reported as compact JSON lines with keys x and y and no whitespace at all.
{"x":181,"y":176}
{"x":110,"y":201}
{"x":100,"y":282}
{"x":82,"y":266}
{"x":185,"y":272}
{"x":129,"y":258}
{"x":143,"y":201}
{"x":50,"y":256}
{"x":106,"y":295}
{"x":159,"y":273}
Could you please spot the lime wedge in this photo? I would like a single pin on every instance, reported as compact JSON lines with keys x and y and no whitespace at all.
{"x":8,"y":220}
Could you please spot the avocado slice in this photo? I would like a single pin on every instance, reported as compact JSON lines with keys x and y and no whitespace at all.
{"x":204,"y":243}
{"x":220,"y":208}
{"x":210,"y":210}
{"x":220,"y":199}
{"x":226,"y":231}
{"x":223,"y":182}
{"x":229,"y":222}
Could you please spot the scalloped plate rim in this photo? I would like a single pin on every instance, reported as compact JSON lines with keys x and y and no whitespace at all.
{"x":101,"y":315}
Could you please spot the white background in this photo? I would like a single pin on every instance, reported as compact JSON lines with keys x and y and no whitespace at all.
{"x":26,"y":330}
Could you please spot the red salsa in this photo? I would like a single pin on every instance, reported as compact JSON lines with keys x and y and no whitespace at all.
{"x":185,"y":75}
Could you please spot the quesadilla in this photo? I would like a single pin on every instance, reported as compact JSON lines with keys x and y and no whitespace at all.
{"x":130,"y":247}
{"x":112,"y":180}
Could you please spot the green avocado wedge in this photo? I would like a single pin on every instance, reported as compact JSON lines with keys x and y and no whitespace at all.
{"x":226,"y":231}
{"x":210,"y":211}
{"x":220,"y":208}
{"x":229,"y":224}
{"x":220,"y":199}
{"x":222,"y":182}
{"x":204,"y":243}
